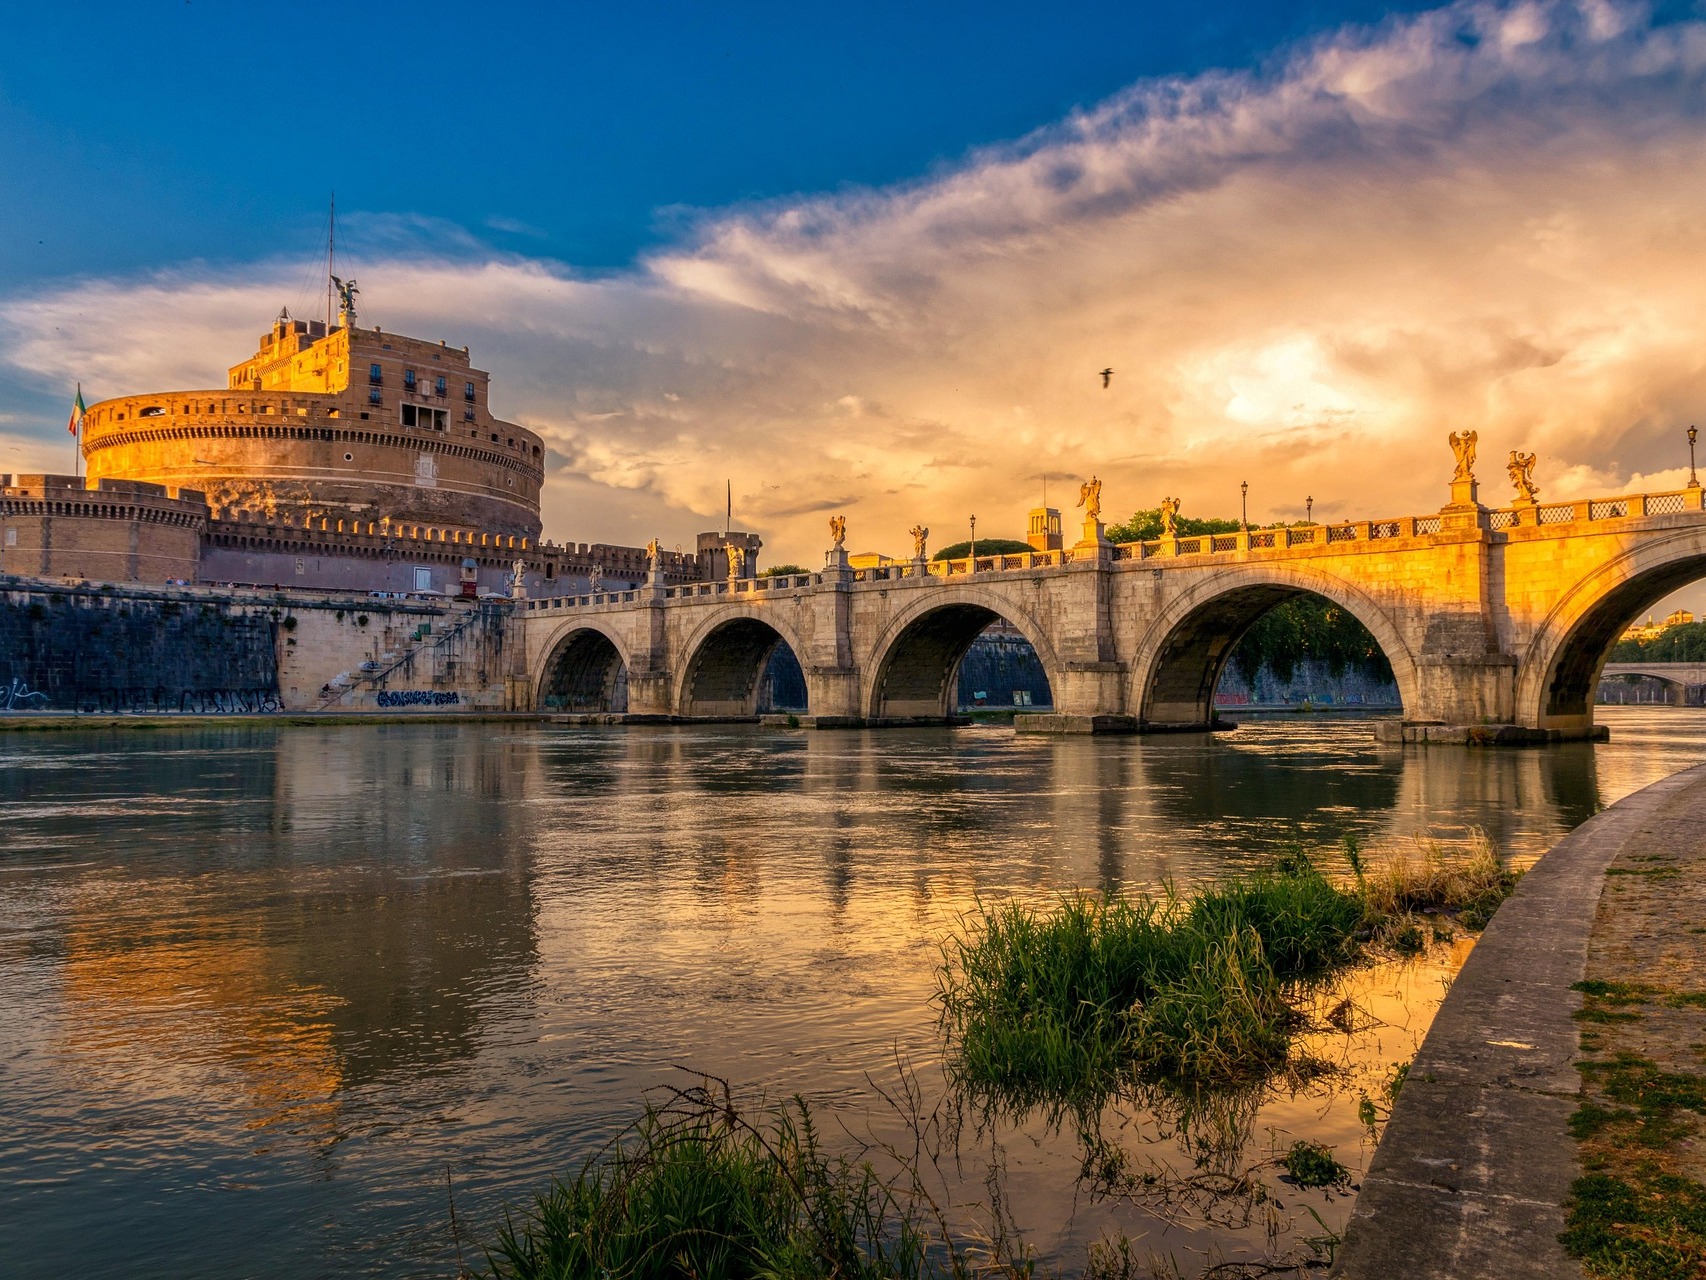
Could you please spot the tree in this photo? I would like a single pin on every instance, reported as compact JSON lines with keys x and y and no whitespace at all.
{"x":1685,"y":642}
{"x":1145,"y":526}
{"x":985,"y":547}
{"x":783,"y":571}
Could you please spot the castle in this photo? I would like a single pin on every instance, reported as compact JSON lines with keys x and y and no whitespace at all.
{"x":334,"y":457}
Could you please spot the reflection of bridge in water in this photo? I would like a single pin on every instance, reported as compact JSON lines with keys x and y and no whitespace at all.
{"x":1684,"y":683}
{"x":1496,"y":622}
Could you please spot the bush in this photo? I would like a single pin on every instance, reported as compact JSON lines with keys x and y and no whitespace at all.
{"x":985,"y":547}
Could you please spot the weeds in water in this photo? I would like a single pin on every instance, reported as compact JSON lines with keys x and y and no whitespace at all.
{"x":1311,"y":1164}
{"x":1107,"y":990}
{"x":697,"y":1189}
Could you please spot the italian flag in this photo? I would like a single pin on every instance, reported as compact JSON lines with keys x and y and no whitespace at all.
{"x":77,"y":411}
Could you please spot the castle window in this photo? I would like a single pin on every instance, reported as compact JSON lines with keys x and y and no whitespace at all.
{"x":421,"y":416}
{"x":468,"y":392}
{"x":375,"y":373}
{"x":440,"y":387}
{"x":408,"y":379}
{"x":373,"y":397}
{"x":349,"y":457}
{"x":467,"y":415}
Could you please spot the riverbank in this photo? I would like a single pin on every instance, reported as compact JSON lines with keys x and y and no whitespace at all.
{"x":69,"y":721}
{"x":1478,"y":1162}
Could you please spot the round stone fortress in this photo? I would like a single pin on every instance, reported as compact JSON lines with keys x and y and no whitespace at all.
{"x":343,"y":428}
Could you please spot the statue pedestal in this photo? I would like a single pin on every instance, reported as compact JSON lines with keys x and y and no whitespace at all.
{"x":920,"y":568}
{"x":1094,"y":542}
{"x":1464,"y":494}
{"x":835,"y":558}
{"x":1464,"y":511}
{"x":1525,"y":511}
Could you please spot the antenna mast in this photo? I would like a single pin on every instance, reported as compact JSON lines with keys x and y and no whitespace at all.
{"x":331,"y":245}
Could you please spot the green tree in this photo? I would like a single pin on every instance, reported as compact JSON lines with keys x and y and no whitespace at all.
{"x":782,"y":571}
{"x":985,"y":547}
{"x":1145,"y":526}
{"x":1685,"y":642}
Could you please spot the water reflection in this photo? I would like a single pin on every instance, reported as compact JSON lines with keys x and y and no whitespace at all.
{"x":263,"y":986}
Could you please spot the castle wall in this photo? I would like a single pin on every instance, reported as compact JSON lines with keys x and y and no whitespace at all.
{"x":120,"y":531}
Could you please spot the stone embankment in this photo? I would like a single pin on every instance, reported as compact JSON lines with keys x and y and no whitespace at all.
{"x":1476,"y":1164}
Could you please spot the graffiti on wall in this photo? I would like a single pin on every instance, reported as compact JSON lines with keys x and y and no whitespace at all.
{"x":418,"y":698}
{"x":18,"y":696}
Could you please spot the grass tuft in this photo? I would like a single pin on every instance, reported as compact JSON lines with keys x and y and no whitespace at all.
{"x":1310,"y":1164}
{"x":1108,"y":990}
{"x":697,"y":1190}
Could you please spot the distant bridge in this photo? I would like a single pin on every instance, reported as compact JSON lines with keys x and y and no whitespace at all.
{"x":1685,"y":681}
{"x":1496,"y":621}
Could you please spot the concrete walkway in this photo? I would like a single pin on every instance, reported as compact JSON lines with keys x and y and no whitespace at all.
{"x":1476,"y":1162}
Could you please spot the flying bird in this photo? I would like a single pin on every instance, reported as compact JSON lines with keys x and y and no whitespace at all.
{"x":1107,"y":377}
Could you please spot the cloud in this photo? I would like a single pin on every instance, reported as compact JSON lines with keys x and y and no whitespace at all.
{"x":1485,"y":216}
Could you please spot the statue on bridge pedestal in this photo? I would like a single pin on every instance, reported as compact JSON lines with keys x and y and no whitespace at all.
{"x":1090,"y":498}
{"x":737,"y":559}
{"x":1521,"y":469}
{"x":838,"y":531}
{"x":920,"y":535}
{"x":654,"y":556}
{"x":1463,"y":450}
{"x":1170,"y":517}
{"x":595,"y":579}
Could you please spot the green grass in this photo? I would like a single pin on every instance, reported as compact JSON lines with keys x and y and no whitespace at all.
{"x":696,"y":1190}
{"x":1103,"y":991}
{"x":1063,"y":1002}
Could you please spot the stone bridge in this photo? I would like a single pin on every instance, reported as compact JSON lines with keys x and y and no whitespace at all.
{"x":1496,"y":622}
{"x":1686,"y":681}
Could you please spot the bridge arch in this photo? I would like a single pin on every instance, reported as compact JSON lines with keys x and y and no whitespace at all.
{"x":724,"y":661}
{"x":1182,"y":654}
{"x":1560,"y":667}
{"x":915,"y":662}
{"x":585,"y":671}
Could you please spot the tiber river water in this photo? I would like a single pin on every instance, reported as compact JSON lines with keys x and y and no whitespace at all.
{"x":263,"y":989}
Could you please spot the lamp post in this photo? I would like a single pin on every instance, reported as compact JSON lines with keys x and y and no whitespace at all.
{"x":1309,"y":510}
{"x":1693,"y":480}
{"x":1244,"y":491}
{"x":974,"y":544}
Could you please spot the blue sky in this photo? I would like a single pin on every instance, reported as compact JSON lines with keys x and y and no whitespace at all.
{"x":145,"y":133}
{"x":869,"y":260}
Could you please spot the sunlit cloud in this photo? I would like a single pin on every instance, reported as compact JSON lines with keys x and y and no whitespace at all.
{"x":1483,"y":217}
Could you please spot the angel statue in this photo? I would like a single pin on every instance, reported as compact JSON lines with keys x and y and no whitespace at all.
{"x":737,"y":559}
{"x":516,"y":569}
{"x":347,"y":290}
{"x":1090,"y":498}
{"x":595,"y":579}
{"x":1521,"y":468}
{"x":1170,"y":517}
{"x":654,"y":555}
{"x":919,"y":534}
{"x":838,"y":531}
{"x":1463,"y":449}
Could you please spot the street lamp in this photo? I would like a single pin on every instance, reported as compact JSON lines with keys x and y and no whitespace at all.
{"x":1309,"y":511}
{"x":1244,"y":490}
{"x":1693,"y":480}
{"x":974,"y":544}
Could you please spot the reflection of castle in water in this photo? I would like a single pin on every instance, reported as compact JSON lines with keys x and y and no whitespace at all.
{"x":363,"y":904}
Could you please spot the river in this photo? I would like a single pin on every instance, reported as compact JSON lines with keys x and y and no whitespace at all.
{"x":265,"y":989}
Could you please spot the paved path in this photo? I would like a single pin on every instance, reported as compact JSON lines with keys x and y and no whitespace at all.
{"x":1476,"y":1162}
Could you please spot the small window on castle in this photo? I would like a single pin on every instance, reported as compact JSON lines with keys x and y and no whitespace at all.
{"x":11,"y":537}
{"x":373,"y":397}
{"x":375,"y":373}
{"x":468,"y":392}
{"x":467,"y":415}
{"x":494,"y":437}
{"x":408,"y":379}
{"x":440,"y":387}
